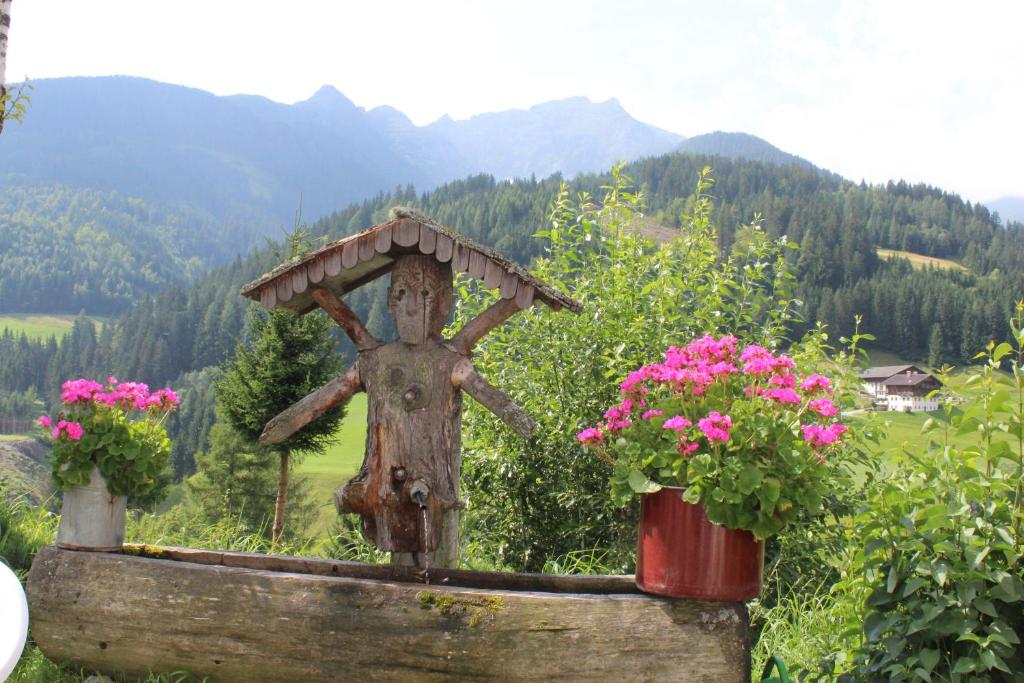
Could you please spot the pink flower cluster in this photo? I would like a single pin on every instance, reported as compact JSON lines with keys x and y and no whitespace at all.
{"x":73,"y":430}
{"x":822,"y":435}
{"x":125,"y":395}
{"x":689,"y":373}
{"x":89,"y":394}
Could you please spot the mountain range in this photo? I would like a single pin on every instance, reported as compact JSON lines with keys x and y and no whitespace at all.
{"x":247,"y":160}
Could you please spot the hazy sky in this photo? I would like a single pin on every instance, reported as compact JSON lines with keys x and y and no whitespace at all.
{"x":926,"y":91}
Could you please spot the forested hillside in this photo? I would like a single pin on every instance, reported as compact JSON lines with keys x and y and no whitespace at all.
{"x":63,"y":250}
{"x":943,"y":314}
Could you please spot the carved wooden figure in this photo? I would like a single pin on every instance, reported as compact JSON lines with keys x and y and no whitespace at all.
{"x":407,"y":490}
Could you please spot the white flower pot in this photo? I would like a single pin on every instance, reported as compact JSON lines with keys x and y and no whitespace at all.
{"x":91,"y":518}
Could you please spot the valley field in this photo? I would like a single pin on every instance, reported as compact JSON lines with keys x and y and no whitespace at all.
{"x":40,"y":326}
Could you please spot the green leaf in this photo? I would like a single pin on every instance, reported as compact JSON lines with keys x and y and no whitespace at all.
{"x":750,"y":478}
{"x":639,"y":482}
{"x":1001,"y":351}
{"x":928,"y":658}
{"x":985,"y":607}
{"x":892,"y":581}
{"x":964,"y":665}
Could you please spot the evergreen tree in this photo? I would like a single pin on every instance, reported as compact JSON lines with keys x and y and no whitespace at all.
{"x":288,"y":356}
{"x":234,"y":478}
{"x":936,"y":347}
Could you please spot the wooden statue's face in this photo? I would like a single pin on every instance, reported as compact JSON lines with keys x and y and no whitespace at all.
{"x":420,"y":297}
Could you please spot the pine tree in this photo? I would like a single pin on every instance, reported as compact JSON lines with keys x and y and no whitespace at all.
{"x":234,"y":478}
{"x":288,"y":356}
{"x":936,"y":344}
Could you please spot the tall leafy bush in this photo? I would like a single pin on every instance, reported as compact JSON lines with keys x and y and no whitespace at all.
{"x":535,"y":500}
{"x":943,"y":540}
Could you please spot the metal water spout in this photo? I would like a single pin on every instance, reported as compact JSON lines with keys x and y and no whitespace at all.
{"x":418,"y":492}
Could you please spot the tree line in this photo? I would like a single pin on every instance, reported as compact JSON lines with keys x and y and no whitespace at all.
{"x":175,"y":336}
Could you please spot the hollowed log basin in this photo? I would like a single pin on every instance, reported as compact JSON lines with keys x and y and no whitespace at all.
{"x":249,"y":617}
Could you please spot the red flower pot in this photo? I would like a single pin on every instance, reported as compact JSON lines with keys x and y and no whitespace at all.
{"x":683,"y":555}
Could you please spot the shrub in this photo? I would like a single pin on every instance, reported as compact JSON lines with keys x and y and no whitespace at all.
{"x":542,"y":498}
{"x":943,"y":540}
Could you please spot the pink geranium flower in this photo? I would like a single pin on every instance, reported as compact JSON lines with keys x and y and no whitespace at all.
{"x":813,"y":384}
{"x":823,"y":407}
{"x":591,"y":436}
{"x":678,"y":423}
{"x":716,"y":426}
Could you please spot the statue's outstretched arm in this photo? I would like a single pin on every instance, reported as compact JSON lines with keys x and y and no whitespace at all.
{"x":475,"y":329}
{"x":469,"y":380}
{"x":346,"y":318}
{"x":312,"y":406}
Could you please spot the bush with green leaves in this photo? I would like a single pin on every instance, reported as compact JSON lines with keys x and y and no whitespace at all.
{"x":537,"y":499}
{"x":943,"y":537}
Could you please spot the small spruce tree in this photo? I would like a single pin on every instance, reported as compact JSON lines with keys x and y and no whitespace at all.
{"x":286,"y":357}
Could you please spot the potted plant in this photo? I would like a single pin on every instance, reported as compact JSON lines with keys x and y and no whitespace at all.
{"x":727,"y":446}
{"x":108,"y":443}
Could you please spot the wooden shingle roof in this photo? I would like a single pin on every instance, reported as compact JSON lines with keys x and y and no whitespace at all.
{"x":350,"y":262}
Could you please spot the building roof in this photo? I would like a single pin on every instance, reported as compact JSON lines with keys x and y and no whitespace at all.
{"x":909,"y":379}
{"x":350,"y":262}
{"x":886,"y":371}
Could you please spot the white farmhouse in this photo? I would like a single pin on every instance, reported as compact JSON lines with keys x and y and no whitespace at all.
{"x":901,"y":387}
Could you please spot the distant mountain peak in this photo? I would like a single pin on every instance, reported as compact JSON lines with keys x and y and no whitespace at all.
{"x":330,"y":96}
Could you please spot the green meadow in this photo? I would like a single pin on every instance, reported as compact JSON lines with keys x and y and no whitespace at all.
{"x":335,"y":466}
{"x":40,"y":326}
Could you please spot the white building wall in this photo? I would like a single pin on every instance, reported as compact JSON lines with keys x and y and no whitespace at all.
{"x":911,"y":403}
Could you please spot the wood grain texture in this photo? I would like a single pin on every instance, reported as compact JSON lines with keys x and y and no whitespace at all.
{"x":509,"y":285}
{"x":268,"y":296}
{"x":284,"y":289}
{"x":345,"y":317}
{"x":444,"y":248}
{"x":407,"y":233}
{"x":367,"y":246}
{"x":131,"y":615}
{"x":382,"y":242}
{"x":300,"y":280}
{"x":413,"y":419}
{"x":524,"y":295}
{"x":332,"y":264}
{"x":291,"y":420}
{"x":469,"y":380}
{"x":473,"y":331}
{"x":428,"y":239}
{"x":316,"y":270}
{"x":350,"y":254}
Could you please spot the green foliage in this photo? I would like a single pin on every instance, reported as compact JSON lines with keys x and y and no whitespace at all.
{"x":839,"y":225}
{"x":547,"y":496}
{"x":14,"y":102}
{"x":288,"y":357}
{"x":942,"y":541}
{"x":24,"y":529}
{"x":235,"y":478}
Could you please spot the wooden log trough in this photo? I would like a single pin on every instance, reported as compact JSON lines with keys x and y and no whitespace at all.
{"x":248,"y":617}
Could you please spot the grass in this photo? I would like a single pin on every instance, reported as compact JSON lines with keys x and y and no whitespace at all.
{"x":15,"y":437}
{"x":40,"y":326}
{"x":335,"y":466}
{"x":920,"y":261}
